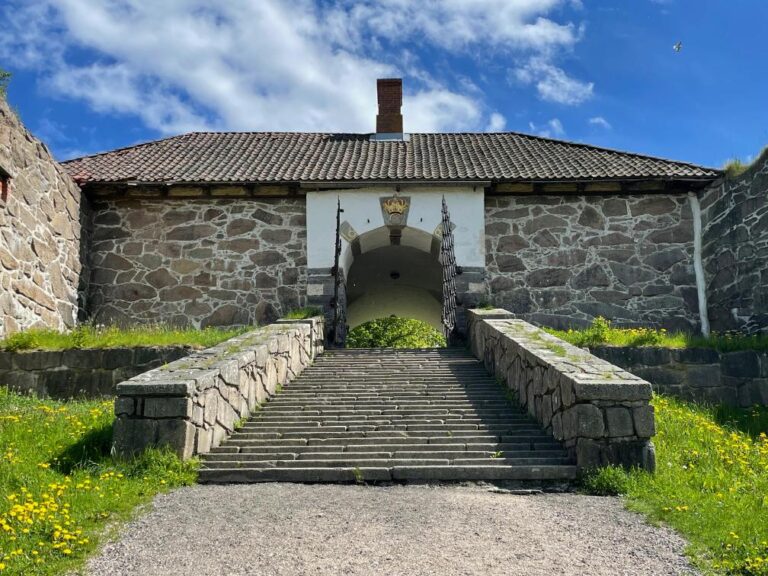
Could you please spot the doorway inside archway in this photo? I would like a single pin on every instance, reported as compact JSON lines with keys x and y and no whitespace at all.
{"x":395,"y":280}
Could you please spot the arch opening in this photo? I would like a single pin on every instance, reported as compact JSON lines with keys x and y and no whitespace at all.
{"x":396,"y":275}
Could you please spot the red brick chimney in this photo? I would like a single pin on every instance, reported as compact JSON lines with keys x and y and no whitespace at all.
{"x":389,"y":120}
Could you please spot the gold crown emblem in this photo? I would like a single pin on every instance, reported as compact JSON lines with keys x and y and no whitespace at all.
{"x":395,"y":206}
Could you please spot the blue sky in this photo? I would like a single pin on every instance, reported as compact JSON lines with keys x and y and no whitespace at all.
{"x":93,"y":75}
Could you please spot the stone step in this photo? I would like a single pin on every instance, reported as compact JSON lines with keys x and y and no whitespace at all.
{"x":385,"y":454}
{"x":351,"y":419}
{"x":357,"y":434}
{"x":377,"y":424}
{"x":403,"y":440}
{"x":390,"y":415}
{"x":383,"y":474}
{"x":299,"y":448}
{"x":358,"y":462}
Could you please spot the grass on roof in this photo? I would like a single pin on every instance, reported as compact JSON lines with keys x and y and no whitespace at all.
{"x":602,"y":332}
{"x":114,"y":337}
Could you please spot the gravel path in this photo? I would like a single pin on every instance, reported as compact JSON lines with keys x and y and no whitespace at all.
{"x":276,"y":529}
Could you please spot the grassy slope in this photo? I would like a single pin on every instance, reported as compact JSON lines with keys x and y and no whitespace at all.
{"x":601,"y":332}
{"x":59,"y":488}
{"x":711,"y":483}
{"x":112,"y":337}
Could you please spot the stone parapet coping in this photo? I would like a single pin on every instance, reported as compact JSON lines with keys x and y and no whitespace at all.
{"x":600,"y":412}
{"x":194,"y":403}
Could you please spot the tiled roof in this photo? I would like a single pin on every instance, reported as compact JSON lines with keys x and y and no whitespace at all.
{"x":272,"y":157}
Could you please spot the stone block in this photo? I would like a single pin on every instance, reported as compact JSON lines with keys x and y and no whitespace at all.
{"x":619,"y":391}
{"x":703,"y":375}
{"x":37,"y":360}
{"x":696,"y":356}
{"x":125,"y":405}
{"x":178,"y":434}
{"x":203,"y":440}
{"x":132,"y":435}
{"x":588,"y":421}
{"x":741,"y":364}
{"x":755,"y":391}
{"x":619,"y":422}
{"x":645,"y":421}
{"x":82,"y":359}
{"x":167,"y":408}
{"x":156,"y":388}
{"x":112,"y":358}
{"x":210,"y":406}
{"x":589,"y":454}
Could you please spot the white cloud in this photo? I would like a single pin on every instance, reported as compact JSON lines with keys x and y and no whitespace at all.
{"x":496,"y":123}
{"x":600,"y":121}
{"x":552,"y":83}
{"x":181,"y":65}
{"x":551,"y":129}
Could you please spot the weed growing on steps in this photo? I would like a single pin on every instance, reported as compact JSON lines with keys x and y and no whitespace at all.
{"x":359,"y":478}
{"x":710,"y":483}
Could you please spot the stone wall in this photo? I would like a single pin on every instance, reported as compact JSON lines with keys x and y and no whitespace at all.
{"x":40,"y":255}
{"x":601,"y":413}
{"x":699,"y":374}
{"x":197,"y":262}
{"x":735,"y":250}
{"x":562,"y":260}
{"x":64,"y":374}
{"x":193,"y":404}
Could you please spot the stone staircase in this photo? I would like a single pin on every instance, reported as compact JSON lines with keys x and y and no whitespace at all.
{"x":387,"y":415}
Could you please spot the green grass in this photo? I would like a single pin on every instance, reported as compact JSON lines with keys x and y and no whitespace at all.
{"x":303,"y":313}
{"x":61,"y":493}
{"x":113,"y":337}
{"x":601,"y":332}
{"x":711,"y":484}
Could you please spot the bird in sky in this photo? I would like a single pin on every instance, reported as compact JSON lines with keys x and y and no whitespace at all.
{"x":677,"y":47}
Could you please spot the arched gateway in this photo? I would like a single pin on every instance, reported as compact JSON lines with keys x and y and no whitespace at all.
{"x":389,"y":261}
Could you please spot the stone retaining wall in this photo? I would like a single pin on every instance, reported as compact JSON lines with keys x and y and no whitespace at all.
{"x":561,"y":260}
{"x":735,"y":250}
{"x":66,"y":374}
{"x":193,"y":404}
{"x":699,"y":374}
{"x":197,"y":262}
{"x":40,"y":233}
{"x":600,"y":412}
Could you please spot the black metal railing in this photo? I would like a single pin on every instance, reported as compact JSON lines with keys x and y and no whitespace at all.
{"x":338,"y":332}
{"x":448,"y":262}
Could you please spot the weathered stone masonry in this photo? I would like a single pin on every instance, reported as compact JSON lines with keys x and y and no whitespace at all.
{"x":193,"y":404}
{"x":601,"y":413}
{"x":735,"y":250}
{"x":197,"y":262}
{"x":40,"y":234}
{"x":561,"y":260}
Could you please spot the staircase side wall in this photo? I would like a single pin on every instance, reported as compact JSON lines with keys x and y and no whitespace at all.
{"x":601,"y":413}
{"x":195,"y":403}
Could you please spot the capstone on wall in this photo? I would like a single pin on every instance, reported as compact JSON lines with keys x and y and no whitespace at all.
{"x":735,"y":250}
{"x":197,"y":262}
{"x":40,"y":252}
{"x":563,"y":260}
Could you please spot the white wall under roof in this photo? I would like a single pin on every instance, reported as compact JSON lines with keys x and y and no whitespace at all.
{"x":362,"y":210}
